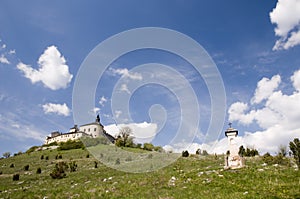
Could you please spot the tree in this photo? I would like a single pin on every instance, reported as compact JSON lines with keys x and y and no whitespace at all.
{"x":295,"y":148}
{"x":185,"y":154}
{"x":6,"y":154}
{"x":242,"y":151}
{"x":124,"y":139}
{"x":282,"y":150}
{"x":148,"y":147}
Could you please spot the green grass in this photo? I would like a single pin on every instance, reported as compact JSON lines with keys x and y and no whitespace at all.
{"x":196,"y":177}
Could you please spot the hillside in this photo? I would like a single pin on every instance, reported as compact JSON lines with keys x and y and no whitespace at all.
{"x":191,"y":177}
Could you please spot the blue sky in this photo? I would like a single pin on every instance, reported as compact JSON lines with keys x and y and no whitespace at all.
{"x":43,"y":45}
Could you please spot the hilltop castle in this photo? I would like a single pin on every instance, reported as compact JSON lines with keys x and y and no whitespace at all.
{"x":92,"y":130}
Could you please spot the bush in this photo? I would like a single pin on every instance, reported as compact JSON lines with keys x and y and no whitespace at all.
{"x":148,"y":147}
{"x":295,"y":148}
{"x":12,"y":165}
{"x":185,"y":154}
{"x":39,"y":170}
{"x":6,"y":154}
{"x":59,"y":170}
{"x":87,"y":141}
{"x":31,"y":149}
{"x":118,"y":161}
{"x":26,"y":167}
{"x":128,"y":159}
{"x":70,"y":145}
{"x":16,"y":177}
{"x":73,"y":166}
{"x":204,"y":152}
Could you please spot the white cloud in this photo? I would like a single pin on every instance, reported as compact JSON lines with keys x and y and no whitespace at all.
{"x":3,"y":46}
{"x":265,"y":88}
{"x":96,"y":110}
{"x":11,"y":52}
{"x":237,"y":113}
{"x":126,"y":74}
{"x":286,"y":16}
{"x":278,"y":116}
{"x":118,"y":113}
{"x":60,"y":109}
{"x":53,"y":71}
{"x":4,"y":60}
{"x":102,"y":101}
{"x":296,"y":80}
{"x":142,"y":132}
{"x":124,"y":88}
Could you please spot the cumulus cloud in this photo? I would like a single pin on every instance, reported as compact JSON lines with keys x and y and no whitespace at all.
{"x":60,"y":109}
{"x":102,"y":101}
{"x":142,"y":132}
{"x":125,"y":73}
{"x":286,"y":16}
{"x":278,"y":116}
{"x":4,"y":60}
{"x":124,"y":88}
{"x":265,"y":88}
{"x":53,"y":71}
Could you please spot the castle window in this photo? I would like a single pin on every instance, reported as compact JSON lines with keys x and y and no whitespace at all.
{"x":89,"y":130}
{"x":84,"y":130}
{"x":95,"y":129}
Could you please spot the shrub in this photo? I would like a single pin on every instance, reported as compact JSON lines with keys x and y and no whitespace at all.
{"x":185,"y":154}
{"x":59,"y":170}
{"x":118,"y":161}
{"x":26,"y":167}
{"x":295,"y":148}
{"x":204,"y":152}
{"x":128,"y":159}
{"x":12,"y":165}
{"x":148,"y":146}
{"x":150,"y":156}
{"x":39,"y":170}
{"x":6,"y":154}
{"x":70,"y":145}
{"x":31,"y":149}
{"x":73,"y":166}
{"x":16,"y":177}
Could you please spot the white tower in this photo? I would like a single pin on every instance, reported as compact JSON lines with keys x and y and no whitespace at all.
{"x":233,"y":159}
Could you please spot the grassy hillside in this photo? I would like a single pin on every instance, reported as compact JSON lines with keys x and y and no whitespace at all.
{"x":192,"y":177}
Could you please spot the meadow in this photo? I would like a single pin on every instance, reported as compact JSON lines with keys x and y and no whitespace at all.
{"x":188,"y":177}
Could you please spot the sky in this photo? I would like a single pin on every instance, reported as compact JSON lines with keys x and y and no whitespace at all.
{"x":254,"y":45}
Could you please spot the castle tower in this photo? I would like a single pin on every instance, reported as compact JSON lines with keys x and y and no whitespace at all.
{"x":233,"y":159}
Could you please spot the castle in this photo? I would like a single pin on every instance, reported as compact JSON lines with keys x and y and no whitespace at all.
{"x":92,"y":130}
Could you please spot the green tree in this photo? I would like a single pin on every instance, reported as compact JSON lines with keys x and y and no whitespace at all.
{"x":282,"y":150}
{"x":185,"y":154}
{"x":6,"y":154}
{"x":198,"y":152}
{"x":124,"y":138}
{"x":242,"y":151}
{"x":295,"y":148}
{"x":148,"y":147}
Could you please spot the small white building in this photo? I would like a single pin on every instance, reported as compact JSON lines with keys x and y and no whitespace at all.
{"x":93,"y":130}
{"x":233,"y":160}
